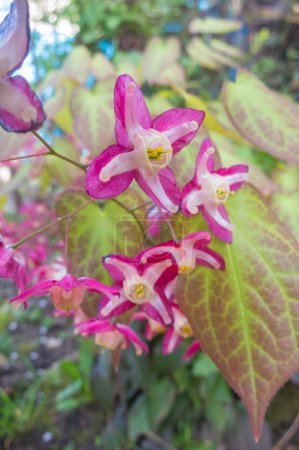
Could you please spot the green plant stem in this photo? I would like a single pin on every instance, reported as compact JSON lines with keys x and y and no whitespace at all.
{"x":131,"y":212}
{"x":58,"y":155}
{"x":51,"y":224}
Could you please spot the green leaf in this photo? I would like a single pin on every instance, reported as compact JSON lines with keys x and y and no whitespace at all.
{"x":138,"y":417}
{"x":204,"y":366}
{"x":158,"y":410}
{"x":247,"y":316}
{"x":57,"y":167}
{"x":159,"y":62}
{"x":97,"y":231}
{"x":214,"y":25}
{"x":267,"y":119}
{"x":93,"y":119}
{"x":207,"y":56}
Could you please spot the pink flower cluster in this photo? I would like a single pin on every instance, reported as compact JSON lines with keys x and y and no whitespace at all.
{"x":146,"y":285}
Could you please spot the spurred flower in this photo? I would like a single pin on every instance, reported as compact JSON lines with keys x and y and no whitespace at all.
{"x":113,"y":336}
{"x":144,"y":148}
{"x":66,"y":294}
{"x":140,"y":285}
{"x":192,"y":250}
{"x":20,"y":108}
{"x":209,"y":189}
{"x":11,"y":266}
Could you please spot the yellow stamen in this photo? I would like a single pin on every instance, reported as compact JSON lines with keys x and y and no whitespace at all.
{"x":155,"y":154}
{"x":221,"y":193}
{"x":139,"y":291}
{"x":185,"y":269}
{"x":186,"y":331}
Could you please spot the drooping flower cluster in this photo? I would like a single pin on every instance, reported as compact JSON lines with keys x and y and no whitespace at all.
{"x":145,"y":284}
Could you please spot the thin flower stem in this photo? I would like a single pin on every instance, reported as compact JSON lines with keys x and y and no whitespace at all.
{"x":58,"y":155}
{"x":290,"y":433}
{"x":16,"y":158}
{"x":132,"y":213}
{"x":51,"y":224}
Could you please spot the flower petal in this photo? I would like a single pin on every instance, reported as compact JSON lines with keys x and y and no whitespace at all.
{"x":114,"y":307}
{"x":205,"y":160}
{"x":93,"y":285}
{"x":132,"y":338}
{"x":161,"y":187}
{"x":192,"y":350}
{"x":20,"y":108}
{"x":208,"y":258}
{"x":175,"y":117}
{"x":222,"y":233}
{"x":120,"y":267}
{"x":116,"y":185}
{"x":171,"y":341}
{"x":235,"y":176}
{"x":159,"y":309}
{"x":138,"y":110}
{"x":14,"y":37}
{"x":40,"y":288}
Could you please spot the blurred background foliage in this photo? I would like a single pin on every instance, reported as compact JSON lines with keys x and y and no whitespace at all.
{"x":57,"y":392}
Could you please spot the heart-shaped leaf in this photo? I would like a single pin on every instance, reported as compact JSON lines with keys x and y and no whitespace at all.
{"x":247,"y":317}
{"x":93,"y":120}
{"x":267,"y":119}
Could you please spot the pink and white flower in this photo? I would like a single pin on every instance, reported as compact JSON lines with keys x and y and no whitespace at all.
{"x":192,"y":250}
{"x":67,"y":294}
{"x":113,"y":336}
{"x":11,"y":266}
{"x":20,"y":108}
{"x":140,"y":285}
{"x":144,"y":149}
{"x":209,"y":189}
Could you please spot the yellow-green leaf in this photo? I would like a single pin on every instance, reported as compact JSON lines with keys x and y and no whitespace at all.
{"x":267,"y":119}
{"x":214,"y":25}
{"x":247,"y":317}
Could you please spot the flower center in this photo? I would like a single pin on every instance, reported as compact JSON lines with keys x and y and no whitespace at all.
{"x":185,"y":269}
{"x":185,"y":331}
{"x":155,"y":154}
{"x":138,"y":293}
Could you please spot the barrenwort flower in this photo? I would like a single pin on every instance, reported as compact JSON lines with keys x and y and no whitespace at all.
{"x":67,"y":294}
{"x":209,"y":189}
{"x":20,"y":108}
{"x":144,"y":148}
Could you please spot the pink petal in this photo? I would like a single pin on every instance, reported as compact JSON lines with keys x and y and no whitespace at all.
{"x":141,"y":111}
{"x":192,"y":350}
{"x":38,"y":289}
{"x":14,"y":37}
{"x":116,"y":185}
{"x":133,"y":338}
{"x":197,"y":240}
{"x":170,"y":191}
{"x":203,"y":162}
{"x":222,"y":233}
{"x":96,"y":286}
{"x":95,"y":326}
{"x":20,"y":108}
{"x":177,"y":116}
{"x":68,"y":282}
{"x":209,"y":258}
{"x":120,"y":267}
{"x":109,"y":308}
{"x":235,"y":175}
{"x":159,"y":309}
{"x":10,"y":267}
{"x":171,"y":341}
{"x":185,"y":194}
